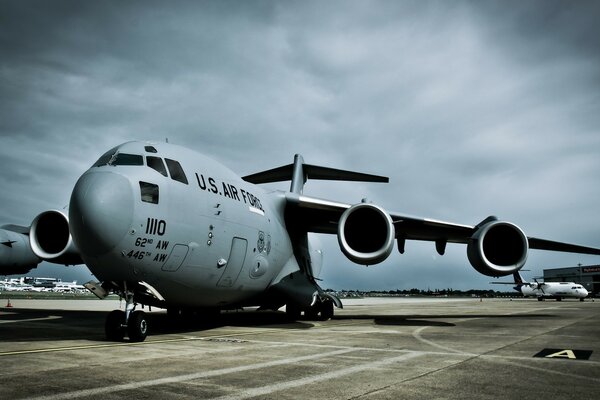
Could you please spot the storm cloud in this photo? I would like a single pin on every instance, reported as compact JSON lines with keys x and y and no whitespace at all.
{"x":471,"y":108}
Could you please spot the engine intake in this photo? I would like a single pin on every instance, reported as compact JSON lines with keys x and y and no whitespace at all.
{"x":51,"y":240}
{"x":366,"y":234}
{"x":498,"y":248}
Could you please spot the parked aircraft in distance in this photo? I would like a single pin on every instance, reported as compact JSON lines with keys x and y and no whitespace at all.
{"x":547,"y":290}
{"x":165,"y":226}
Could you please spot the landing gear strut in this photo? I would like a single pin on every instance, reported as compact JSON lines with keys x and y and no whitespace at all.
{"x":322,"y":310}
{"x":131,"y":322}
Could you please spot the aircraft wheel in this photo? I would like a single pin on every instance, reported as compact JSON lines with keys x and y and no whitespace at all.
{"x":312,"y":313}
{"x":540,"y":299}
{"x":559,"y":299}
{"x":114,"y":325}
{"x":292,"y":312}
{"x":326,"y":310}
{"x":581,"y":299}
{"x":137,"y":326}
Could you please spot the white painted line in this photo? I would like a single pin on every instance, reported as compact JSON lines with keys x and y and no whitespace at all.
{"x":9,"y":321}
{"x":187,"y":377}
{"x":417,"y":335}
{"x":266,"y":390}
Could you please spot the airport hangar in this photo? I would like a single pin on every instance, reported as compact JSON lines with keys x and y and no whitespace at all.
{"x":588,"y":276}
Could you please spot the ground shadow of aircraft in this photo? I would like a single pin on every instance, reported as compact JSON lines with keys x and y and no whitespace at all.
{"x":429,"y":320}
{"x":28,"y":325}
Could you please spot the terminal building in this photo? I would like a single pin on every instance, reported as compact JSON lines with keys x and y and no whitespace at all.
{"x":588,"y":276}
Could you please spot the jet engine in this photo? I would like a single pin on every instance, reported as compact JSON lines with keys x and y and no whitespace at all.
{"x":366,"y":234}
{"x":16,"y":256}
{"x":497,"y":248}
{"x":51,"y":240}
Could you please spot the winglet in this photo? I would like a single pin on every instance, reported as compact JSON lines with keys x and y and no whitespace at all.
{"x":299,"y":172}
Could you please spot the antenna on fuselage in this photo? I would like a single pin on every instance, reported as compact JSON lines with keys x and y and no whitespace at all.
{"x":166,"y":140}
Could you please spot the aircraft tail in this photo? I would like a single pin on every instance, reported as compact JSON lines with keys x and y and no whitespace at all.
{"x":519,"y":282}
{"x":299,"y":172}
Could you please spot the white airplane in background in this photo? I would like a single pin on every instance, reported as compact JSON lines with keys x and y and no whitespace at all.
{"x":547,"y":290}
{"x":164,"y":226}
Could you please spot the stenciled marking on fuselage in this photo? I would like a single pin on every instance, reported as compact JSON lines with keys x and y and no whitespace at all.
{"x":145,"y":243}
{"x":228,"y":190}
{"x":156,"y":227}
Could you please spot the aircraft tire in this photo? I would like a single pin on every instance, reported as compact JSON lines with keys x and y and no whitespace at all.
{"x":326,"y":310}
{"x":292,"y":312}
{"x":137,"y":326}
{"x":113,"y":327}
{"x":312,"y":313}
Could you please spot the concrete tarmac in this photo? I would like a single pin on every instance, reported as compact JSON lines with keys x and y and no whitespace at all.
{"x":376,"y":348}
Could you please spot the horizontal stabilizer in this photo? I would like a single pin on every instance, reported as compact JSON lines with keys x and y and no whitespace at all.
{"x":298,"y":173}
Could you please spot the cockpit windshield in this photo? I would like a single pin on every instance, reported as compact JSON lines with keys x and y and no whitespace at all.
{"x":113,"y":158}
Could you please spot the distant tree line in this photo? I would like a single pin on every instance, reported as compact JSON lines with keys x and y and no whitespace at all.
{"x":421,"y":292}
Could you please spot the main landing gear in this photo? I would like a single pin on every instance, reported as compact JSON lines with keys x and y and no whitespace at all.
{"x":131,"y":323}
{"x":322,"y":310}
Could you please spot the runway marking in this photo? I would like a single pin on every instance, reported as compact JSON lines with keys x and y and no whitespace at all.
{"x":145,"y":343}
{"x":507,"y":360}
{"x":417,"y":335}
{"x":150,"y":342}
{"x":51,"y":317}
{"x":266,"y":390}
{"x":417,"y":332}
{"x":188,"y":377}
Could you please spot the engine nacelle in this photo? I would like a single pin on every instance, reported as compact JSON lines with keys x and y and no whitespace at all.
{"x":366,"y":234}
{"x":16,"y":256}
{"x":498,"y":248}
{"x":51,"y":240}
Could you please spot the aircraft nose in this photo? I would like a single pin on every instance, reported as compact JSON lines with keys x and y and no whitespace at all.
{"x":100,"y":212}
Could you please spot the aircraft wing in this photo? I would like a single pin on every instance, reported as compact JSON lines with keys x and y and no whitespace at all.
{"x":322,"y":216}
{"x":542,"y":244}
{"x":23,"y":230}
{"x":366,"y":232}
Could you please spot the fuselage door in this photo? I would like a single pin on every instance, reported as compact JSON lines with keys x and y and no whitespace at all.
{"x":237,"y":256}
{"x":176,"y":258}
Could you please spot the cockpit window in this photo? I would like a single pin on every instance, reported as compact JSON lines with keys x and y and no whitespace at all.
{"x":105,"y":158}
{"x":156,"y":163}
{"x":176,"y":171}
{"x":113,"y":157}
{"x":149,"y":192}
{"x":126,"y":159}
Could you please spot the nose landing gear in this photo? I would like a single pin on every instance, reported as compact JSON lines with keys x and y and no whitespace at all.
{"x":130,"y":322}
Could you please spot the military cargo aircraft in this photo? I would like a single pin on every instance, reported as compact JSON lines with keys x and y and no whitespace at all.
{"x":165,"y":226}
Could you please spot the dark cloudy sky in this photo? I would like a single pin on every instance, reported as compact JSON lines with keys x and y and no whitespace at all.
{"x":472,"y":108}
